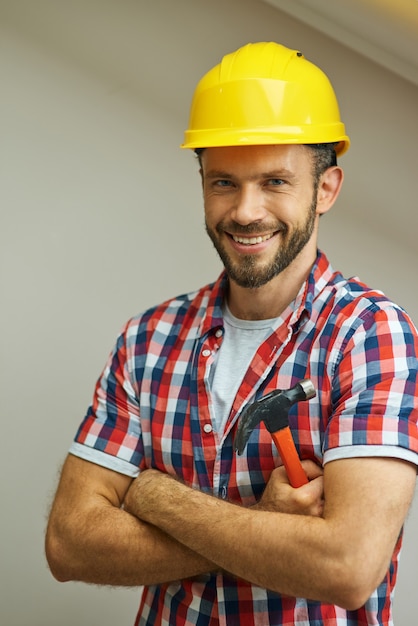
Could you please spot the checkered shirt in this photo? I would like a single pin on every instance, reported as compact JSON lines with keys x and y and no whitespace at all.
{"x":152,"y":408}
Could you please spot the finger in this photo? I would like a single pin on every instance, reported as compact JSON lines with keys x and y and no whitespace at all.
{"x":316,"y":488}
{"x":312,"y":469}
{"x":279,"y":474}
{"x":311,"y":497}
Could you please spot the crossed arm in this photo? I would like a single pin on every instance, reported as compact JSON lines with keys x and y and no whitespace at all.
{"x":290,"y":542}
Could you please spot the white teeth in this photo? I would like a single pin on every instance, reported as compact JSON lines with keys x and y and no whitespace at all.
{"x":251,"y":240}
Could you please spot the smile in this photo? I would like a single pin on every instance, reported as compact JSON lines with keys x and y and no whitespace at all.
{"x":250,"y":241}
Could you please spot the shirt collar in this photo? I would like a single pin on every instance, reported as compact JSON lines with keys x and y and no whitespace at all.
{"x":302,"y":305}
{"x":216,"y":293}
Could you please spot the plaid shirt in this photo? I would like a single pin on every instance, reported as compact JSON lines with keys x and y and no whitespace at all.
{"x":152,"y":408}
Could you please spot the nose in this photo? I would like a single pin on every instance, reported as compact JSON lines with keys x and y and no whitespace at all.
{"x":249,"y":205}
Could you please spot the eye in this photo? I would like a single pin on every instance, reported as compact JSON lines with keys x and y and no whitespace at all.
{"x":222,"y":183}
{"x":275,"y":182}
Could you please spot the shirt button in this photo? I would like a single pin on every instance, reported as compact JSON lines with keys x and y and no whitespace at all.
{"x":218,"y":333}
{"x":207,"y":428}
{"x":206,"y":353}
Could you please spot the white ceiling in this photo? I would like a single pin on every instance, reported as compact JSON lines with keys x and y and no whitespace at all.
{"x":385,"y":31}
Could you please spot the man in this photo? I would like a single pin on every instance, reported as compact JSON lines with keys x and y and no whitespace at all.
{"x":152,"y":492}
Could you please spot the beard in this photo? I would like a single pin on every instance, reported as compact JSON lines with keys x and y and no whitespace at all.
{"x":249,"y":272}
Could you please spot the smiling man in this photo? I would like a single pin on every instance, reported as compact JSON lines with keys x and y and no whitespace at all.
{"x":152,"y":493}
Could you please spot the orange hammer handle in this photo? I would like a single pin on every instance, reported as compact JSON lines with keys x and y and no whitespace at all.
{"x":289,"y":455}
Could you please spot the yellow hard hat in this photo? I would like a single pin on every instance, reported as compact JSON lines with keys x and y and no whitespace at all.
{"x":264,"y":93}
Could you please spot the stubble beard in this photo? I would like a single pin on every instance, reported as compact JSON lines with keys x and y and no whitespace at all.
{"x":249,"y":272}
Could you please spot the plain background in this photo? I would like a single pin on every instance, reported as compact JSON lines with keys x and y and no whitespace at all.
{"x":101,"y":216}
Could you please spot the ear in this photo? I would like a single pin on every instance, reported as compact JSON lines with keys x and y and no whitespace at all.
{"x":329,"y":188}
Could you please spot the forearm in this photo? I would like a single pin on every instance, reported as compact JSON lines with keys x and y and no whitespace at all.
{"x":229,"y":535}
{"x":339,"y":558}
{"x":92,"y":539}
{"x":108,"y":546}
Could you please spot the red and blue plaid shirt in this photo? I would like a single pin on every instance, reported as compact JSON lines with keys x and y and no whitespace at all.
{"x":152,"y":408}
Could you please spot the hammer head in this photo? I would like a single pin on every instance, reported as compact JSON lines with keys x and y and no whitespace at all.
{"x":273,"y":410}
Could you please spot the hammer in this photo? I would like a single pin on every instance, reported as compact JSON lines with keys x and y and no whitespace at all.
{"x":273,"y":410}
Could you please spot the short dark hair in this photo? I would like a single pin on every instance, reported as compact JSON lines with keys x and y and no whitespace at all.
{"x":324,"y":156}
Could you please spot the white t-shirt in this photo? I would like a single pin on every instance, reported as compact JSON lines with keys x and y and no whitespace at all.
{"x":240,"y":342}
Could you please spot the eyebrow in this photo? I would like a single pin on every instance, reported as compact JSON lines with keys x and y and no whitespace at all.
{"x":283,"y":173}
{"x":217,"y":174}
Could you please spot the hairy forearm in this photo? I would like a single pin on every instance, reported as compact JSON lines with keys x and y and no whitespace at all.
{"x":225,"y":533}
{"x":338,"y":558}
{"x":108,"y":546}
{"x":91,"y":538}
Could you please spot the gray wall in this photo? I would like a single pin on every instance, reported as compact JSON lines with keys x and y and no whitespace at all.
{"x":101,"y":217}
